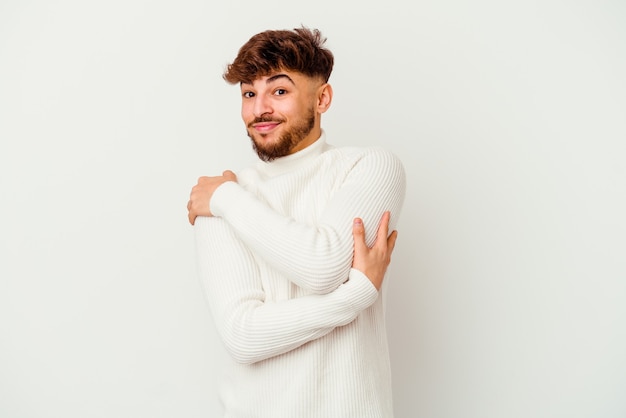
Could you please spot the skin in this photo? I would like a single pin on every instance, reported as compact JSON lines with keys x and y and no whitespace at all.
{"x":282,"y":114}
{"x":272,"y":108}
{"x":373,"y":262}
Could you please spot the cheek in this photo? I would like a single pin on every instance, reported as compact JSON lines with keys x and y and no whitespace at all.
{"x":286,"y":109}
{"x":245,"y":113}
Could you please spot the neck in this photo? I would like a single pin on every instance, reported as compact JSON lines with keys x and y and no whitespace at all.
{"x":315,"y":133}
{"x":295,"y":160}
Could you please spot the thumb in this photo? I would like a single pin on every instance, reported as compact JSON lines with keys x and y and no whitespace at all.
{"x":391,"y":241}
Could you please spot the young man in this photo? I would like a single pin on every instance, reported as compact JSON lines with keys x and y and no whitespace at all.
{"x":294,"y":294}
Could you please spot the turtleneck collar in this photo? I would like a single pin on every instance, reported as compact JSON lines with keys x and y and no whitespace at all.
{"x":290,"y":162}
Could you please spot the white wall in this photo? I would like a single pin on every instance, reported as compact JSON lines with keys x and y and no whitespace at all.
{"x":509,"y":280}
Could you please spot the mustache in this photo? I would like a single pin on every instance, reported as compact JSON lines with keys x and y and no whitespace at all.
{"x":264,"y":118}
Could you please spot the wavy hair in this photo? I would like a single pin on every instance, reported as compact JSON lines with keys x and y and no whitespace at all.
{"x":301,"y":50}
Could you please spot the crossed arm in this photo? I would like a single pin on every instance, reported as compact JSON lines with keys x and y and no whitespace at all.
{"x":254,"y":329}
{"x":316,"y":257}
{"x":344,"y":270}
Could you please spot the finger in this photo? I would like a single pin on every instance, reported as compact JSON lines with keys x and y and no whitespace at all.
{"x":383,"y":229}
{"x":229,"y":175}
{"x":391,"y":242}
{"x":358,"y":233}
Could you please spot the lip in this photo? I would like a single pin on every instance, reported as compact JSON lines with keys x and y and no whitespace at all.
{"x":265,"y":126}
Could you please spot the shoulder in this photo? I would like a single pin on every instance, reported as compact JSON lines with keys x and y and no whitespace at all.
{"x":248,"y":175}
{"x":373,"y":157}
{"x":246,"y":172}
{"x":370,"y":167}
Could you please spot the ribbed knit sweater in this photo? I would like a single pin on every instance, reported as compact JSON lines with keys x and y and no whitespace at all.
{"x":306,"y":333}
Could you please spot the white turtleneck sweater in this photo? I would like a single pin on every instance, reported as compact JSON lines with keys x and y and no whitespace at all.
{"x":305,"y":331}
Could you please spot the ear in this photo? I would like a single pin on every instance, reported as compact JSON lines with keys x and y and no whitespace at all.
{"x":324,"y":97}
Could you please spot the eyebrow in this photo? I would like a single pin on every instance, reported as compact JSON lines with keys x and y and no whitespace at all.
{"x":278,"y":77}
{"x":272,"y":79}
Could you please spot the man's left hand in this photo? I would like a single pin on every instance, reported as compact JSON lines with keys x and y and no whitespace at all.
{"x":200,"y":198}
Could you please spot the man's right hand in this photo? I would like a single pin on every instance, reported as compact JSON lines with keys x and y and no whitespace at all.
{"x":373,"y":261}
{"x":200,"y":198}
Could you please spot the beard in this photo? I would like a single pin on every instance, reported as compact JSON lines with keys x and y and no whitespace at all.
{"x":287,"y":141}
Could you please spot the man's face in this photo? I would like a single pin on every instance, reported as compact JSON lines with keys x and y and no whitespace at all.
{"x":280,"y":113}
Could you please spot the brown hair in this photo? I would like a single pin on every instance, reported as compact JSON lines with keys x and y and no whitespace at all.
{"x":301,"y":50}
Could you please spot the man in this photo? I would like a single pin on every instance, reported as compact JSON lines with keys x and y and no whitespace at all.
{"x":294,"y":294}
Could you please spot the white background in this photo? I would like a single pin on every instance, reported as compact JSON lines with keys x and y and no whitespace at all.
{"x":508,"y":291}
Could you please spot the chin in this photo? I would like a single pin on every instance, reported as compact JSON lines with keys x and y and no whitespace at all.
{"x":262,"y":139}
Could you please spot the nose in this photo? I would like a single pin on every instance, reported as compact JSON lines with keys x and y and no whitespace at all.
{"x":261,"y":106}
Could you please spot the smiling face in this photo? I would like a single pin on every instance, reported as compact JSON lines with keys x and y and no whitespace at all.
{"x":282,"y":112}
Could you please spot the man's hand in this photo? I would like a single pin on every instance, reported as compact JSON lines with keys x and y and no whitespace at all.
{"x":201,"y":193}
{"x":373,"y":261}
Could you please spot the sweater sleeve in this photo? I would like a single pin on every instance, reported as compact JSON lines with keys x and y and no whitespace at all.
{"x":318,"y":256}
{"x":252,"y":328}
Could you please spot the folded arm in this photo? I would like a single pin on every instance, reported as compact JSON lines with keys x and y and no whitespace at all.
{"x":254,"y":329}
{"x":317,"y":257}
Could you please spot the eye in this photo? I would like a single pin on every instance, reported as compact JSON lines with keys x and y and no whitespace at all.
{"x":280,"y":92}
{"x":247,"y":94}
